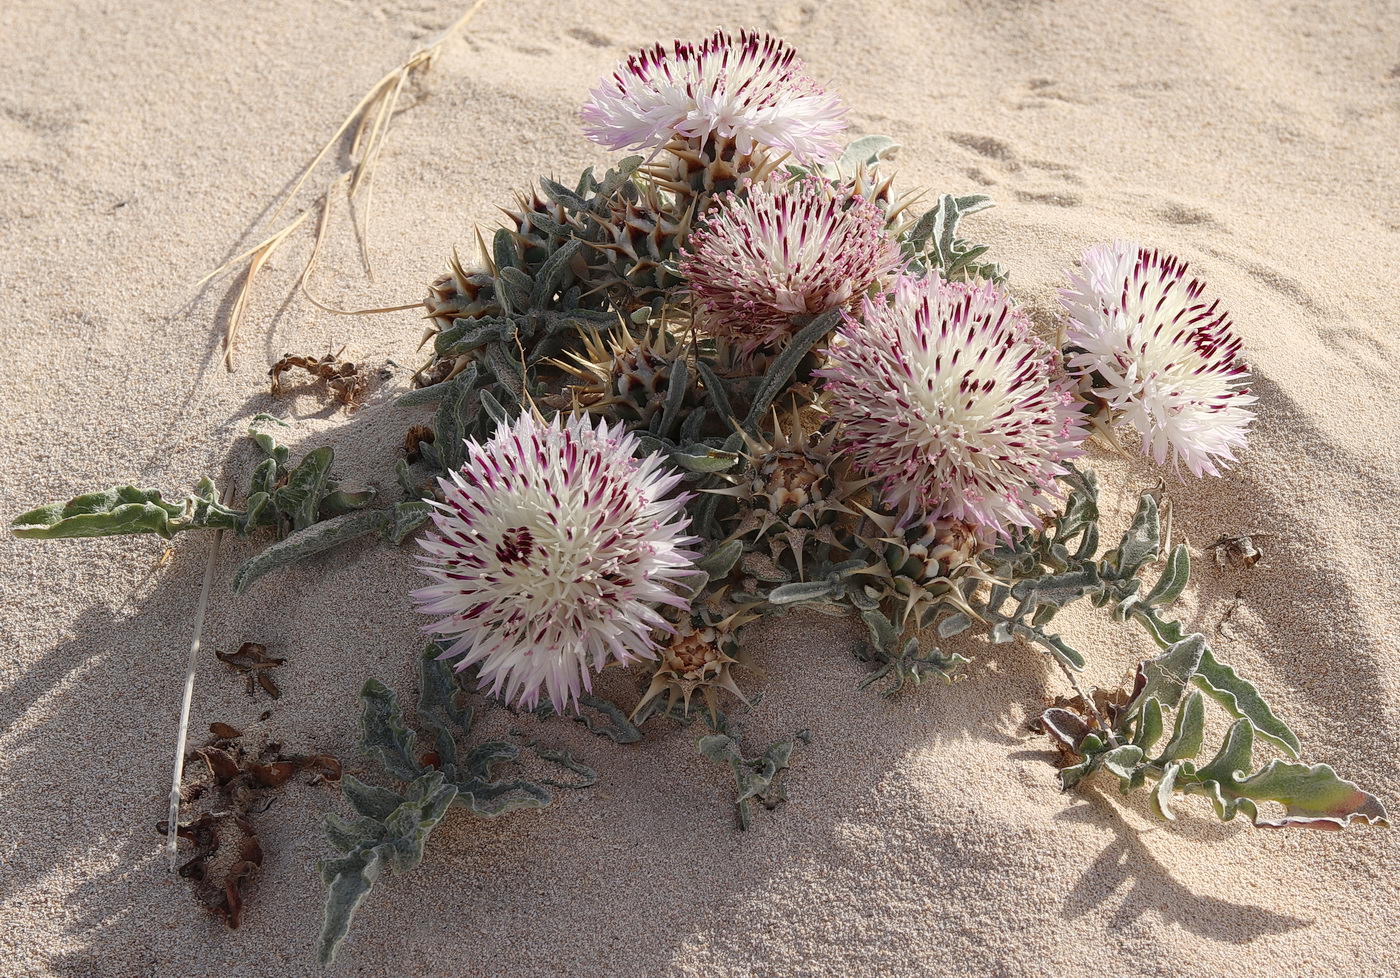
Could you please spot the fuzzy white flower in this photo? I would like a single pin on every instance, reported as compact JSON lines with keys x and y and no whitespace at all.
{"x":1160,"y":353}
{"x":783,"y":250}
{"x":750,"y":88}
{"x":945,"y":394}
{"x":554,"y":546}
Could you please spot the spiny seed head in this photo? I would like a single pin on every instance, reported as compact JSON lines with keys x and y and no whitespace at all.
{"x":750,"y":88}
{"x":697,"y":656}
{"x":764,"y":262}
{"x":553,"y":548}
{"x":945,"y":394}
{"x":1161,"y":353}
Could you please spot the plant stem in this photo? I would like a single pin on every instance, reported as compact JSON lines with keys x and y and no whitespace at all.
{"x":173,"y":819}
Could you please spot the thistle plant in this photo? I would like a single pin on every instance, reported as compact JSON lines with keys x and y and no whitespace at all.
{"x":741,"y":375}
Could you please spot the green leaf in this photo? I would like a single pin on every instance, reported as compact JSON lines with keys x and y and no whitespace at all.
{"x":714,"y":389}
{"x":1149,"y":724}
{"x":867,"y":150}
{"x":1313,"y":796}
{"x":1142,"y":541}
{"x":1189,"y":731}
{"x":120,"y":510}
{"x":785,"y":364}
{"x":1173,"y":580}
{"x":617,"y":728}
{"x":1123,"y":760}
{"x":299,"y":500}
{"x":720,"y":561}
{"x":383,"y":735}
{"x":503,"y":246}
{"x":882,"y":630}
{"x":702,"y":458}
{"x":800,"y":591}
{"x":677,"y":386}
{"x":406,"y":517}
{"x":755,"y":778}
{"x":954,"y":624}
{"x":264,"y":479}
{"x":1166,"y":676}
{"x":277,"y":452}
{"x":395,"y":840}
{"x":1162,"y":793}
{"x":550,"y":278}
{"x":453,"y":421}
{"x":1242,"y":699}
{"x":308,"y":542}
{"x":338,"y":502}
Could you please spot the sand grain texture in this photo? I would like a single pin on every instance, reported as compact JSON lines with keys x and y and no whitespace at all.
{"x":140,"y":145}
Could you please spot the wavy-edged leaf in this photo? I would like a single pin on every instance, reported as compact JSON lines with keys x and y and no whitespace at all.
{"x":392,"y":839}
{"x":550,"y":278}
{"x":720,"y":561}
{"x":1242,"y":699}
{"x":1173,"y":580}
{"x":800,"y":591}
{"x":1313,"y":795}
{"x":338,"y":502}
{"x":1149,"y":724}
{"x":1143,"y":539}
{"x":113,"y":512}
{"x":383,"y":735}
{"x":405,"y":518}
{"x":1166,"y":676}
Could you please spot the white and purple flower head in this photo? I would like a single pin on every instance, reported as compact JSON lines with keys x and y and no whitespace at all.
{"x":945,"y":394}
{"x":1161,"y":354}
{"x":553,"y":548}
{"x":750,"y":88}
{"x":779,"y":250}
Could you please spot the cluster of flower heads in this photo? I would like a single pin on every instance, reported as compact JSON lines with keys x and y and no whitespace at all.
{"x":555,"y":546}
{"x":749,"y":88}
{"x":944,"y":393}
{"x":763,"y":261}
{"x":1160,"y":353}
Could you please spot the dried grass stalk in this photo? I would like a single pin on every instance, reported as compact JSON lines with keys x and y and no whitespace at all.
{"x":371,"y":118}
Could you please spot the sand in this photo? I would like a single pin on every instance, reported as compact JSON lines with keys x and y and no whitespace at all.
{"x":140,"y":146}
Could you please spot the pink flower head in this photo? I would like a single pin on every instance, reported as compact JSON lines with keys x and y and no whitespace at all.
{"x":945,"y":394}
{"x":776,"y":251}
{"x":1161,"y":353}
{"x":554,"y":546}
{"x":750,"y":88}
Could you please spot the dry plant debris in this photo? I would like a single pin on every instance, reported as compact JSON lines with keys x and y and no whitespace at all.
{"x":371,"y":119}
{"x":1240,"y":552}
{"x":226,"y":851}
{"x":345,"y":381}
{"x":252,"y":661}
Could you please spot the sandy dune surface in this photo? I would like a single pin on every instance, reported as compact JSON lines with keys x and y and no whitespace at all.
{"x":140,"y":146}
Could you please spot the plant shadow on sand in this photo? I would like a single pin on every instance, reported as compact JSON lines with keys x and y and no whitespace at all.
{"x":657,"y":831}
